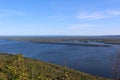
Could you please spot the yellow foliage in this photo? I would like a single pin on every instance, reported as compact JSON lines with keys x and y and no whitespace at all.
{"x":3,"y":76}
{"x":17,"y":68}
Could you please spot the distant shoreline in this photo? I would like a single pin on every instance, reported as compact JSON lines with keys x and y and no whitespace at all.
{"x":58,"y":40}
{"x":95,"y":45}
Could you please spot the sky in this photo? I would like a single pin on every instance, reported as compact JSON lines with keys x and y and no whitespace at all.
{"x":60,"y":17}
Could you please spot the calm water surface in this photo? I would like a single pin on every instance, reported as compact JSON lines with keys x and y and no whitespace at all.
{"x":93,"y":60}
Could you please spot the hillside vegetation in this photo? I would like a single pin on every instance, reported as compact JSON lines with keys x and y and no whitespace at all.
{"x":17,"y":67}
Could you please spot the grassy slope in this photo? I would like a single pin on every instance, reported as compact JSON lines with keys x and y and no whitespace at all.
{"x":37,"y":70}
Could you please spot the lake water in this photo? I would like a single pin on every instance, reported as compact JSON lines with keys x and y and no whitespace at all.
{"x":89,"y":59}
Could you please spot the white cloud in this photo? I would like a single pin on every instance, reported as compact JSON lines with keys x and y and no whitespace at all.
{"x":98,"y":15}
{"x":5,"y":13}
{"x":94,"y":15}
{"x":80,"y":26}
{"x":114,"y":12}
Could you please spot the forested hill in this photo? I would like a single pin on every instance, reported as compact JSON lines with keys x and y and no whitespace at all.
{"x":17,"y":67}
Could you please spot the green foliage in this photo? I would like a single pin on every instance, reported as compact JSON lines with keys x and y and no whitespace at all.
{"x":16,"y":67}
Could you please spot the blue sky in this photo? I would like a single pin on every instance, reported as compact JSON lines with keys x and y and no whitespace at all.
{"x":59,"y":17}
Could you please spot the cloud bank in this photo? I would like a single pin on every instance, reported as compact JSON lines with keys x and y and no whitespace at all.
{"x":98,"y":15}
{"x":6,"y":13}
